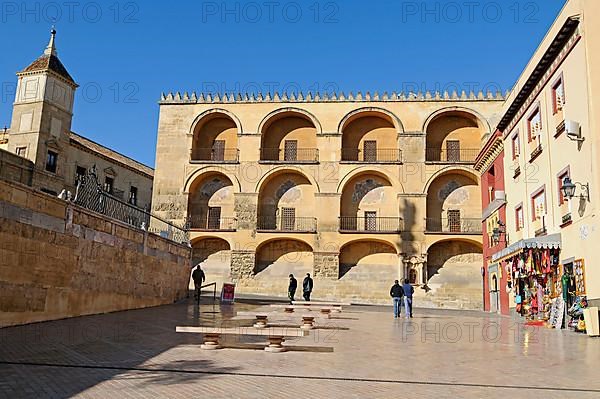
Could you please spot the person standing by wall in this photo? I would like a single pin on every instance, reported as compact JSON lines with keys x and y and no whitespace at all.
{"x":292,"y":288}
{"x":307,"y":287}
{"x":409,"y":290}
{"x":396,"y":292}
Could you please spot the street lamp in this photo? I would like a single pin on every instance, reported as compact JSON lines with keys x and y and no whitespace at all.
{"x":568,"y":189}
{"x":498,"y":231}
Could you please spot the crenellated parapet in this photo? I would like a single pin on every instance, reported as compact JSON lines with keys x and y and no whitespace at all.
{"x":227,"y":98}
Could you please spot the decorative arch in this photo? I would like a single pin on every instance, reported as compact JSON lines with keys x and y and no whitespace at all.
{"x":478,"y":117}
{"x":270,"y":240}
{"x":194,"y":241}
{"x":212,"y":113}
{"x":373,"y":110}
{"x":383,"y":241}
{"x":369,"y":169}
{"x":463,"y":170}
{"x":467,"y":240}
{"x":282,"y":169}
{"x":199,"y":174}
{"x":293,"y":110}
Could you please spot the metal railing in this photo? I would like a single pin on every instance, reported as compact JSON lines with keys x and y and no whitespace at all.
{"x":467,"y":155}
{"x":380,"y":155}
{"x":361,"y":224}
{"x":215,"y":155}
{"x":202,"y":222}
{"x":294,"y":224}
{"x":90,"y":195}
{"x":298,"y":155}
{"x":462,"y":225}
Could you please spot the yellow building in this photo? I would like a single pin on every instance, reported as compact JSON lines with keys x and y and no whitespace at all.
{"x":551,"y":131}
{"x":358,"y":190}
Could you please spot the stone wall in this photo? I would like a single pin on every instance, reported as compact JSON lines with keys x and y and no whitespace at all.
{"x":15,"y":168}
{"x":58,"y":260}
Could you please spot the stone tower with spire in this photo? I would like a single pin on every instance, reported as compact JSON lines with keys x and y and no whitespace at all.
{"x":41,"y":119}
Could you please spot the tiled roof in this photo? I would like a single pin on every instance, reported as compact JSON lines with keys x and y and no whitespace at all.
{"x":113,"y":155}
{"x":49,"y":63}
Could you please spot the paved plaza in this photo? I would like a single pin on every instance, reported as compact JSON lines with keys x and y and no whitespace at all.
{"x":361,"y":353}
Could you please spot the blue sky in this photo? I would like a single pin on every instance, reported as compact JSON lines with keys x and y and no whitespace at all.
{"x":125,"y":53}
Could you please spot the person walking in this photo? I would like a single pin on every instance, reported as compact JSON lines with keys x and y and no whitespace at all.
{"x":396,"y":293}
{"x":307,"y":287}
{"x":409,"y":290}
{"x":199,"y":277}
{"x":292,"y":288}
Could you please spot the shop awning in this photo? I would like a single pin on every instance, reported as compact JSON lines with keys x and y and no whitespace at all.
{"x":551,"y":241}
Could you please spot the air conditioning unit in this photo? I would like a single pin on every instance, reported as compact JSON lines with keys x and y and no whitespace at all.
{"x":500,"y":195}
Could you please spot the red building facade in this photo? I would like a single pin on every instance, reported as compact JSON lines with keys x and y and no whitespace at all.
{"x":490,"y":165}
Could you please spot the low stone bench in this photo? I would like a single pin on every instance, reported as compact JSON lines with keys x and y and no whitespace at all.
{"x":262,"y":319}
{"x":276,"y":336}
{"x":326,"y":310}
{"x":317,"y":303}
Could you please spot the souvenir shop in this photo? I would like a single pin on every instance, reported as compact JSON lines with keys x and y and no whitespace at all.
{"x":543,"y":289}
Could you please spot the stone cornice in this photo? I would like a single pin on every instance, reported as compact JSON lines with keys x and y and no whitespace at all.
{"x":493,"y":150}
{"x":229,"y":98}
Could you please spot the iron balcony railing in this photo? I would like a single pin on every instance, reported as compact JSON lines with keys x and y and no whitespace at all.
{"x":467,"y":155}
{"x":380,"y":155}
{"x":297,"y":155}
{"x":199,"y":222}
{"x":452,"y":225}
{"x":91,"y":195}
{"x":359,"y":224}
{"x":230,"y":155}
{"x":293,"y":224}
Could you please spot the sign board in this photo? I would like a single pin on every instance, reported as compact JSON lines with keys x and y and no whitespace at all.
{"x":228,"y":293}
{"x":557,"y":313}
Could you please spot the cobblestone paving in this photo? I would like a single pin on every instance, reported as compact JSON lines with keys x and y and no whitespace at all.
{"x":362,"y":353}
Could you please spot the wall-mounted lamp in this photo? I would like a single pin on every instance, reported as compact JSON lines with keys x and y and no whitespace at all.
{"x":497,"y":232}
{"x":568,"y":189}
{"x":574,"y":131}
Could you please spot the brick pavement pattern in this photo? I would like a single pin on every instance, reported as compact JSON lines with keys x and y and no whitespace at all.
{"x":363,"y":353}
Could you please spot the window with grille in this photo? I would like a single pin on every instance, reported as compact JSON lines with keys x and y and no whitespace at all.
{"x":290,"y":150}
{"x":218,"y":150}
{"x":214,"y":218}
{"x":453,"y":150}
{"x":370,"y":151}
{"x":370,"y":220}
{"x":454,"y":221}
{"x":288,"y":218}
{"x":558,"y":96}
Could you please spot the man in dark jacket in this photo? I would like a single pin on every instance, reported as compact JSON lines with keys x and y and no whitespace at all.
{"x":307,"y":287}
{"x":409,"y":290}
{"x":396,"y":293}
{"x":199,"y":277}
{"x":292,"y":288}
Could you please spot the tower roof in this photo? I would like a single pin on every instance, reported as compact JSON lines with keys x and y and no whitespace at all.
{"x":49,"y":61}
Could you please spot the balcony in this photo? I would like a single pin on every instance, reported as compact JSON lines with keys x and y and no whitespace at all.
{"x":214,"y":155}
{"x":454,"y":226}
{"x":289,"y":156}
{"x":203,"y":223}
{"x":452,"y":156}
{"x":356,"y":224}
{"x":286,"y":224}
{"x":536,"y":150}
{"x":374,"y":156}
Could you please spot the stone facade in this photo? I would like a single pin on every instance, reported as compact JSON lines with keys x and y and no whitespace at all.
{"x":58,"y":260}
{"x":346,"y":187}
